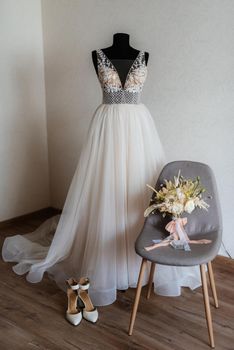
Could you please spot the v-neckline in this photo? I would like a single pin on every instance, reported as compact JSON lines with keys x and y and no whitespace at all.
{"x":129,"y":71}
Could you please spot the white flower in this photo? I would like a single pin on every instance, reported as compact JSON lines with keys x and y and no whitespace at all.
{"x":189,"y":206}
{"x":177,"y":208}
{"x":180,"y":194}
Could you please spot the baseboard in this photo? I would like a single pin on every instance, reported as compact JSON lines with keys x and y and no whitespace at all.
{"x":45,"y":212}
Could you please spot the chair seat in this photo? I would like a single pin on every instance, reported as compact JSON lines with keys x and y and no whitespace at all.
{"x":199,"y":254}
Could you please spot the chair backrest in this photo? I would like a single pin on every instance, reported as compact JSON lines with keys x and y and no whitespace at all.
{"x":200,"y":220}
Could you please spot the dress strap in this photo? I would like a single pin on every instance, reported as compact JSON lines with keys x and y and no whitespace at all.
{"x":100,"y":56}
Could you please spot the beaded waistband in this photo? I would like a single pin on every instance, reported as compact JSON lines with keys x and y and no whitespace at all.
{"x":121,"y":97}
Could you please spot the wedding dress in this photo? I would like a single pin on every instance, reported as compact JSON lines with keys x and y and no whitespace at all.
{"x":103,"y":211}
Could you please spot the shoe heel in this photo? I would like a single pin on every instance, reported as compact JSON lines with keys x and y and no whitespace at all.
{"x":90,"y":313}
{"x":73,"y":314}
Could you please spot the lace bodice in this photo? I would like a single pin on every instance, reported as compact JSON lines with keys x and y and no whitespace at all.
{"x":113,"y":89}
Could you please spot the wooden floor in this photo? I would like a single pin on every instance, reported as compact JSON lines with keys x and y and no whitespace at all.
{"x":32,"y":315}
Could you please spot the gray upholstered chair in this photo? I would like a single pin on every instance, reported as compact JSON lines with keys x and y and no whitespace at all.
{"x":201,"y":224}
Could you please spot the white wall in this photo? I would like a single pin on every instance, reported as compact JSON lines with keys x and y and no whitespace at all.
{"x":190,"y":87}
{"x":24,"y":178}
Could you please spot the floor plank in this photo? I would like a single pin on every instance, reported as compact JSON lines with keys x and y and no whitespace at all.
{"x":32,"y":315}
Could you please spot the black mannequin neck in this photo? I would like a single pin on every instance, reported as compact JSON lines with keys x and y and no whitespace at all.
{"x":121,"y":48}
{"x":121,"y":44}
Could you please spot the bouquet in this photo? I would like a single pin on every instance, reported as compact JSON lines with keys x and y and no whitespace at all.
{"x":175,"y":198}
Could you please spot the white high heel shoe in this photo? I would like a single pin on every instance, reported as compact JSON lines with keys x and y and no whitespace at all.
{"x":73,"y":314}
{"x":90,"y":313}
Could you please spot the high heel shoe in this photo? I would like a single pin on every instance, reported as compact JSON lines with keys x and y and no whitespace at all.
{"x":90,"y":313}
{"x":73,"y":314}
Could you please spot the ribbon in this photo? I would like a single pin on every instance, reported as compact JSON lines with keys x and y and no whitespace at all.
{"x":178,"y":238}
{"x":176,"y":228}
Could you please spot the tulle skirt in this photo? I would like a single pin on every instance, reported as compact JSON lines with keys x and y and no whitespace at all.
{"x":103,"y":212}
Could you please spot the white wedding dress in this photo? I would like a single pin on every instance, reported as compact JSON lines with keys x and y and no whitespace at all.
{"x":103,"y":211}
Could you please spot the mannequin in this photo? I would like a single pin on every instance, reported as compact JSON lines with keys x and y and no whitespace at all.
{"x":121,"y":54}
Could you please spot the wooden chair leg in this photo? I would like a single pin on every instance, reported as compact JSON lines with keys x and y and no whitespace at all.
{"x":207,"y":305}
{"x":151,"y":276}
{"x":212,"y":284}
{"x":137,"y":297}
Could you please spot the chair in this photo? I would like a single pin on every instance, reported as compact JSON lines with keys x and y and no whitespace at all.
{"x":201,"y":224}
